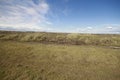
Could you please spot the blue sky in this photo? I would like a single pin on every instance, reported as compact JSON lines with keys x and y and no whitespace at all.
{"x":83,"y":16}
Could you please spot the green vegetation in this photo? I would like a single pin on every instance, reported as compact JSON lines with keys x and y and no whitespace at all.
{"x":31,"y":56}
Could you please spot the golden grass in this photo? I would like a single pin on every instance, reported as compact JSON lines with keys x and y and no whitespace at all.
{"x":63,"y":38}
{"x":35,"y":61}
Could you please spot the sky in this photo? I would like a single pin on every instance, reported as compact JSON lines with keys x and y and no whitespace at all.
{"x":74,"y":16}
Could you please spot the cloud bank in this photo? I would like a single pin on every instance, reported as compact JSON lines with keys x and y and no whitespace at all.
{"x":24,"y":14}
{"x":106,"y":29}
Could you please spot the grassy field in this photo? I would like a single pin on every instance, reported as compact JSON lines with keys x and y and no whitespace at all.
{"x":63,"y":38}
{"x":25,"y":58}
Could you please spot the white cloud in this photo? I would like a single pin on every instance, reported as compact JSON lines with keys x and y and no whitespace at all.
{"x":24,"y":14}
{"x":89,"y":28}
{"x":109,"y":27}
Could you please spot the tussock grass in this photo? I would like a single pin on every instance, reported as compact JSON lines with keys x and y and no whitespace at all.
{"x":33,"y":61}
{"x":92,"y":57}
{"x":63,"y":38}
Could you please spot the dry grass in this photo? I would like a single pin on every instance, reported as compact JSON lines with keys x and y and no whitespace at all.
{"x":63,"y":38}
{"x":35,"y":61}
